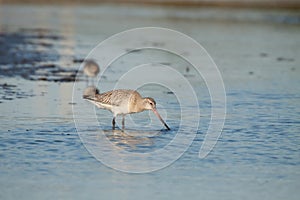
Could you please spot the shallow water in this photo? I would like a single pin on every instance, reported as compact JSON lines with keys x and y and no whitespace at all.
{"x":257,"y":156}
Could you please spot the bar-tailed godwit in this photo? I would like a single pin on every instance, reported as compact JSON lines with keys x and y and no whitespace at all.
{"x":123,"y":102}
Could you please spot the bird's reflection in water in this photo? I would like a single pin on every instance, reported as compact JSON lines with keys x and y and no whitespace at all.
{"x":132,"y":140}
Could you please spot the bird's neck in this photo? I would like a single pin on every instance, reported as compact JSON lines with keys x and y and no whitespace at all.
{"x":136,"y":105}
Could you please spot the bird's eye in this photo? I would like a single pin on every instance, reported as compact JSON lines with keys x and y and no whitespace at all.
{"x":151,"y":103}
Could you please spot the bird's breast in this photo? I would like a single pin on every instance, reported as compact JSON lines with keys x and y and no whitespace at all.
{"x":120,"y":110}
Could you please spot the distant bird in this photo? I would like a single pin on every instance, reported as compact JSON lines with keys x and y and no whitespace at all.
{"x":91,"y":69}
{"x":90,"y":91}
{"x":123,"y":102}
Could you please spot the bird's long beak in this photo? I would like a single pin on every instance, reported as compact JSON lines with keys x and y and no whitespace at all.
{"x":160,"y":118}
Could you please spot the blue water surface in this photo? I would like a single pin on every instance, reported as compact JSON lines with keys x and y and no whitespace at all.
{"x":256,"y":157}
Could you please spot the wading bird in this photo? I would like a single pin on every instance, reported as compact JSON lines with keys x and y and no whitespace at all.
{"x":123,"y":102}
{"x":91,"y":70}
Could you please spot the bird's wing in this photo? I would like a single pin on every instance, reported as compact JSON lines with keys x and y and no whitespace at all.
{"x":99,"y":104}
{"x":100,"y":100}
{"x":113,"y":98}
{"x":108,"y":98}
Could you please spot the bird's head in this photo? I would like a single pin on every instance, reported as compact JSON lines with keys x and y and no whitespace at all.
{"x":149,"y":103}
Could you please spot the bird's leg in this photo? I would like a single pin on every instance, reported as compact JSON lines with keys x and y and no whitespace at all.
{"x":123,"y":122}
{"x":114,"y":123}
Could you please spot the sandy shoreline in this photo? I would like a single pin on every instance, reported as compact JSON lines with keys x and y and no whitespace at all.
{"x":263,"y":4}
